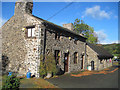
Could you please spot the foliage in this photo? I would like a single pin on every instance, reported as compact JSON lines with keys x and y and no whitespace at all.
{"x":5,"y":62}
{"x":48,"y":66}
{"x":88,"y":31}
{"x":42,"y":69}
{"x":113,"y":49}
{"x":11,"y":82}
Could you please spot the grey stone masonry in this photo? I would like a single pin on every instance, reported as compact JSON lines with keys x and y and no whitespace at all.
{"x":99,"y":64}
{"x":68,"y":26}
{"x":22,"y":53}
{"x":65,"y":45}
{"x":23,"y":6}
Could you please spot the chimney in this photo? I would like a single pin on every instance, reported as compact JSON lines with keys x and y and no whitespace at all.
{"x":23,"y":6}
{"x":68,"y":26}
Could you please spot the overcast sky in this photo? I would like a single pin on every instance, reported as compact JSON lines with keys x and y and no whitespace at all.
{"x":103,"y":17}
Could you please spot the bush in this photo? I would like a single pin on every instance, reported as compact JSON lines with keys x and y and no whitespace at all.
{"x":42,"y":70}
{"x":11,"y":82}
{"x":49,"y":66}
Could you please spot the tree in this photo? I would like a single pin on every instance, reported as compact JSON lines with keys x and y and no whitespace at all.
{"x":113,"y":49}
{"x":81,"y":28}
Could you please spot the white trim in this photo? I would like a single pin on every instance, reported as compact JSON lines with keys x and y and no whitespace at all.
{"x":29,"y":32}
{"x":33,"y":32}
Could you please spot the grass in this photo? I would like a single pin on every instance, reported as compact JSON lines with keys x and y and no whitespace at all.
{"x":0,"y":82}
{"x":116,"y":63}
{"x":77,"y":72}
{"x":2,"y":78}
{"x":41,"y":83}
{"x":34,"y":83}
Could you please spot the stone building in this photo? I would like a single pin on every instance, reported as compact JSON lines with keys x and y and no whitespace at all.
{"x":98,"y":57}
{"x":26,"y":37}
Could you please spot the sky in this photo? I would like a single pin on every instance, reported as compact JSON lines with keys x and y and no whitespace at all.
{"x":102,"y":16}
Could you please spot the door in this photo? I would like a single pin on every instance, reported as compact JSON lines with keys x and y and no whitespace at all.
{"x":82,"y":61}
{"x":66,"y":58}
{"x":92,"y":65}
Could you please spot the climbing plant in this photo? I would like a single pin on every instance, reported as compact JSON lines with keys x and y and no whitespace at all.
{"x":48,"y":66}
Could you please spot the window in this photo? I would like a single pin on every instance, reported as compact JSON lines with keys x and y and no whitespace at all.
{"x":57,"y":56}
{"x":31,"y":32}
{"x":57,"y":36}
{"x":101,"y":61}
{"x":75,"y":40}
{"x":75,"y":57}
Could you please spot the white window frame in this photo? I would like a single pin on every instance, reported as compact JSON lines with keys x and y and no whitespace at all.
{"x":31,"y":32}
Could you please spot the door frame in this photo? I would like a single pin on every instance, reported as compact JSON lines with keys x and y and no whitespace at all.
{"x":67,"y":62}
{"x":82,"y":62}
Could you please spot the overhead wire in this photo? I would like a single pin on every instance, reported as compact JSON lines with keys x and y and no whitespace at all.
{"x":60,"y":10}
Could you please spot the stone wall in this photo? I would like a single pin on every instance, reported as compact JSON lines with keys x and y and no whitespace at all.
{"x":22,"y":52}
{"x":98,"y":65}
{"x":92,"y":56}
{"x":65,"y":45}
{"x":105,"y":64}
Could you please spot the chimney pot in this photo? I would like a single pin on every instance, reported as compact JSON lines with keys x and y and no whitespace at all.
{"x":68,"y":26}
{"x":23,"y":6}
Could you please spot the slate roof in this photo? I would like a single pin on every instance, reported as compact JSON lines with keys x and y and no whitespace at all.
{"x":102,"y":53}
{"x":58,"y":28}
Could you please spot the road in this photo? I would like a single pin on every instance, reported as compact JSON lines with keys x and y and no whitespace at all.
{"x":92,"y":81}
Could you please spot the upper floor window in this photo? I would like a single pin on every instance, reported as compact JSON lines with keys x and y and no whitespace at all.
{"x":31,"y":32}
{"x":75,"y":57}
{"x":75,"y":40}
{"x":57,"y":36}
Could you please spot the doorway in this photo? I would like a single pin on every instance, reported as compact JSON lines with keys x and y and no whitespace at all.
{"x":66,"y":59}
{"x":82,"y":61}
{"x":92,"y":65}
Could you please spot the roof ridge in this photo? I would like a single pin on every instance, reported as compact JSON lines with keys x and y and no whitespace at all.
{"x":58,"y":26}
{"x":102,"y":52}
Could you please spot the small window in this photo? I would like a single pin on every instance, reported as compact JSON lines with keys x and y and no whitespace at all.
{"x":75,"y":57}
{"x":101,"y":61}
{"x":75,"y":41}
{"x":57,"y":36}
{"x":57,"y":56}
{"x":31,"y":32}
